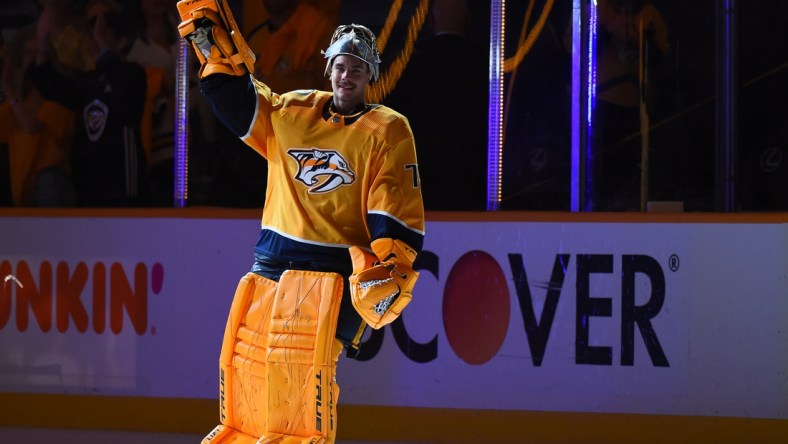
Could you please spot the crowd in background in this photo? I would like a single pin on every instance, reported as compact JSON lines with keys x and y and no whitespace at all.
{"x":87,"y":113}
{"x":88,"y":103}
{"x":87,"y":118}
{"x":88,"y":87}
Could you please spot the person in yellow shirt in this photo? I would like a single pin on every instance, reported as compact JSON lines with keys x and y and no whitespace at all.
{"x":38,"y":133}
{"x":287,"y":46}
{"x":254,"y":12}
{"x":69,"y":35}
{"x":342,"y":225}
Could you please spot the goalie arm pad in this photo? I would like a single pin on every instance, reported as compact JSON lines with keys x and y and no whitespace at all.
{"x":211,"y":30}
{"x":382,"y":285}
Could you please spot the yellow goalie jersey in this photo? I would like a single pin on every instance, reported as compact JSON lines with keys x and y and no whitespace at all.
{"x":333,"y":181}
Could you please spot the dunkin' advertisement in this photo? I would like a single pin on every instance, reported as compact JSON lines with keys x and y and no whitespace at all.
{"x":556,"y":316}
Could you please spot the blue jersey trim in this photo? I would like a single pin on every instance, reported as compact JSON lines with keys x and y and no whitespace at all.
{"x":382,"y":224}
{"x":278,"y":247}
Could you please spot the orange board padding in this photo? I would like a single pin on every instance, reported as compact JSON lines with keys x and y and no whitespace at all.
{"x":278,"y":361}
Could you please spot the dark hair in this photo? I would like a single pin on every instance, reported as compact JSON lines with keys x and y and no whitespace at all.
{"x":122,"y":28}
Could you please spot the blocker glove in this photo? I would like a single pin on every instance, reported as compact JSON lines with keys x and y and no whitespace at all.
{"x":381,"y":287}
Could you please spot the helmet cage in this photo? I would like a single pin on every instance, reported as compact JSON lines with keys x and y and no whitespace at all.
{"x":356,"y":41}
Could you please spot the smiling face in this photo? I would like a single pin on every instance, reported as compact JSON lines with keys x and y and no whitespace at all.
{"x":349,"y":79}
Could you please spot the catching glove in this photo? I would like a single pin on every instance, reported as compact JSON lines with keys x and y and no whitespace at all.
{"x":381,"y":287}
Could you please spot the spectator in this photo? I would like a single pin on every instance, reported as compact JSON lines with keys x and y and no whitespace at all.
{"x":254,"y":12}
{"x":68,"y":35}
{"x":287,"y":46}
{"x":109,"y":161}
{"x":621,"y":112}
{"x":155,"y":48}
{"x":444,"y":96}
{"x":38,"y":133}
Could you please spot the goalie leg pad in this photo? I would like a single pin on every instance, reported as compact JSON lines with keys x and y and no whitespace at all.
{"x":301,"y":358}
{"x":228,"y":435}
{"x":215,"y":37}
{"x":242,"y":383}
{"x":278,"y":361}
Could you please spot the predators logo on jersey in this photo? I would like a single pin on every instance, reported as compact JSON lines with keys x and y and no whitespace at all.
{"x":321,"y":170}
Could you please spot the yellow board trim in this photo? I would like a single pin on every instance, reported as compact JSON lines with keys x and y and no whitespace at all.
{"x":404,"y":424}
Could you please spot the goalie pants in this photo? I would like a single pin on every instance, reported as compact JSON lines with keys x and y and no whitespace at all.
{"x":278,"y":361}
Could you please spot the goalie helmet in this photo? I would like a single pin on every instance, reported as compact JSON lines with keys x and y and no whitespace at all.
{"x":357,"y":41}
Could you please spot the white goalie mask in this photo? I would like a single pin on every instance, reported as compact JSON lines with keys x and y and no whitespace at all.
{"x":357,"y":41}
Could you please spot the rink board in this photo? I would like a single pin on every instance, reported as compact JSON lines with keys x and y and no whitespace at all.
{"x":640,"y":318}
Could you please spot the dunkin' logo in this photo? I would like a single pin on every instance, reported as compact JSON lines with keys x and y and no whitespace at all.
{"x":77,"y":296}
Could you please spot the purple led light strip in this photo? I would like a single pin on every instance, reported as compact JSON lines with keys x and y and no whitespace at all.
{"x":495,"y":109}
{"x":592,"y":36}
{"x":181,"y":191}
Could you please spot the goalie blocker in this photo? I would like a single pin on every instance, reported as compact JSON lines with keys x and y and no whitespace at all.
{"x":215,"y":37}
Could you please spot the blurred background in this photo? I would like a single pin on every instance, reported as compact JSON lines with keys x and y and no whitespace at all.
{"x":682,"y":103}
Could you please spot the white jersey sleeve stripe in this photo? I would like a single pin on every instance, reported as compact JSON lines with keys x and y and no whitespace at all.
{"x":298,"y":239}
